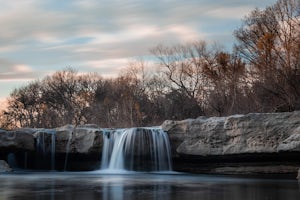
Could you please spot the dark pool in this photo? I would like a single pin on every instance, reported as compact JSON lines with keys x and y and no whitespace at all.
{"x":165,"y":186}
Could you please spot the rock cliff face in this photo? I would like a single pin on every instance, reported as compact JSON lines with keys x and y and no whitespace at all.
{"x":82,"y":139}
{"x":240,"y":138}
{"x":74,"y":148}
{"x":18,"y":140}
{"x":258,"y":143}
{"x":238,"y":134}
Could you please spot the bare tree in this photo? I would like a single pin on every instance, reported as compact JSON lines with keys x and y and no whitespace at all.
{"x":269,"y":40}
{"x":182,"y":66}
{"x":23,"y":106}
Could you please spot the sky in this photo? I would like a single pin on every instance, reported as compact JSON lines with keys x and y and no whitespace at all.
{"x":39,"y":37}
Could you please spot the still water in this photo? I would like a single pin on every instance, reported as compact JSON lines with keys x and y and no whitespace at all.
{"x":160,"y":186}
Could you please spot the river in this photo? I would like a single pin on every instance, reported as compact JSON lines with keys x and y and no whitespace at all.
{"x":161,"y":186}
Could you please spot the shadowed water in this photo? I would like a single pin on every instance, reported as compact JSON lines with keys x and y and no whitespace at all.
{"x":98,"y":185}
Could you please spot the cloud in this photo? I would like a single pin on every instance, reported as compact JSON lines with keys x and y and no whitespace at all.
{"x":49,"y":24}
{"x":103,"y":35}
{"x":229,"y":12}
{"x":10,"y":71}
{"x":107,"y":68}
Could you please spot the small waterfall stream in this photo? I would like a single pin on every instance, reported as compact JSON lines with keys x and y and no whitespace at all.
{"x":44,"y":149}
{"x":145,"y":149}
{"x":68,"y":149}
{"x":136,"y":149}
{"x":53,"y":150}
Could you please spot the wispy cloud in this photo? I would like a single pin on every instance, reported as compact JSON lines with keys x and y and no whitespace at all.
{"x":229,"y":12}
{"x":103,"y":35}
{"x":10,"y":70}
{"x":107,"y":68}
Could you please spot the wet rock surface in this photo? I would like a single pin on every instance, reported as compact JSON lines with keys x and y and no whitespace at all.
{"x":17,"y":140}
{"x":82,"y":139}
{"x":238,"y":134}
{"x":252,"y":143}
{"x":239,"y":139}
{"x":4,"y":167}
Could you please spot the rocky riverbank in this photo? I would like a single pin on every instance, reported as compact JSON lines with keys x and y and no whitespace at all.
{"x":240,"y":144}
{"x":258,"y":143}
{"x":67,"y":147}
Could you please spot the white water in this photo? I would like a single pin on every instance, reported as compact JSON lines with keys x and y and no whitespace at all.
{"x":136,"y":149}
{"x":44,"y":149}
{"x":68,"y":149}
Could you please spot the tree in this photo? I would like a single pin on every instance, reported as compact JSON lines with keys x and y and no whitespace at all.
{"x":24,"y":107}
{"x":182,"y":67}
{"x":269,"y":40}
{"x":228,"y":82}
{"x":62,"y":98}
{"x":204,"y":77}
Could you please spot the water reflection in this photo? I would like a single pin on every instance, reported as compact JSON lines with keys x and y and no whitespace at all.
{"x":73,"y":186}
{"x":112,"y":190}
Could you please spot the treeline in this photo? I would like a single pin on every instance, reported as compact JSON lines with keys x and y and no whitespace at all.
{"x":261,"y":74}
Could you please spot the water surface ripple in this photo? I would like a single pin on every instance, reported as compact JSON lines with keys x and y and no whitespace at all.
{"x":166,"y":186}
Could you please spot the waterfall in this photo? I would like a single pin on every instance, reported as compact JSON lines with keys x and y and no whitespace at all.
{"x":108,"y":141}
{"x":11,"y":160}
{"x":45,"y":145}
{"x":136,"y":149}
{"x":68,"y":149}
{"x":53,"y":151}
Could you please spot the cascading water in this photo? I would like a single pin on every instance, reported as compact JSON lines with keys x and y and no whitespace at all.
{"x":136,"y":149}
{"x":53,"y":150}
{"x":45,"y":145}
{"x":108,"y":142}
{"x":68,"y":149}
{"x":11,"y":160}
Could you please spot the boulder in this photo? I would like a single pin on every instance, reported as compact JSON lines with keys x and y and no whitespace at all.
{"x":63,"y":138}
{"x":4,"y":167}
{"x":87,"y":139}
{"x":256,"y":133}
{"x":82,"y":139}
{"x":177,"y":132}
{"x":17,"y":140}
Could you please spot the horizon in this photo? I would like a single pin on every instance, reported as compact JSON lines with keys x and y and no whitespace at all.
{"x":90,"y":36}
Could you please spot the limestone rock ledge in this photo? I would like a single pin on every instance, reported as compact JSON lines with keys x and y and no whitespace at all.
{"x":238,"y":144}
{"x":74,"y":148}
{"x":17,"y":140}
{"x":237,"y":134}
{"x":81,"y":139}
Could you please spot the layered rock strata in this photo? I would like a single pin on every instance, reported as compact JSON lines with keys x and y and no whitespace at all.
{"x":253,"y":138}
{"x":258,"y":143}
